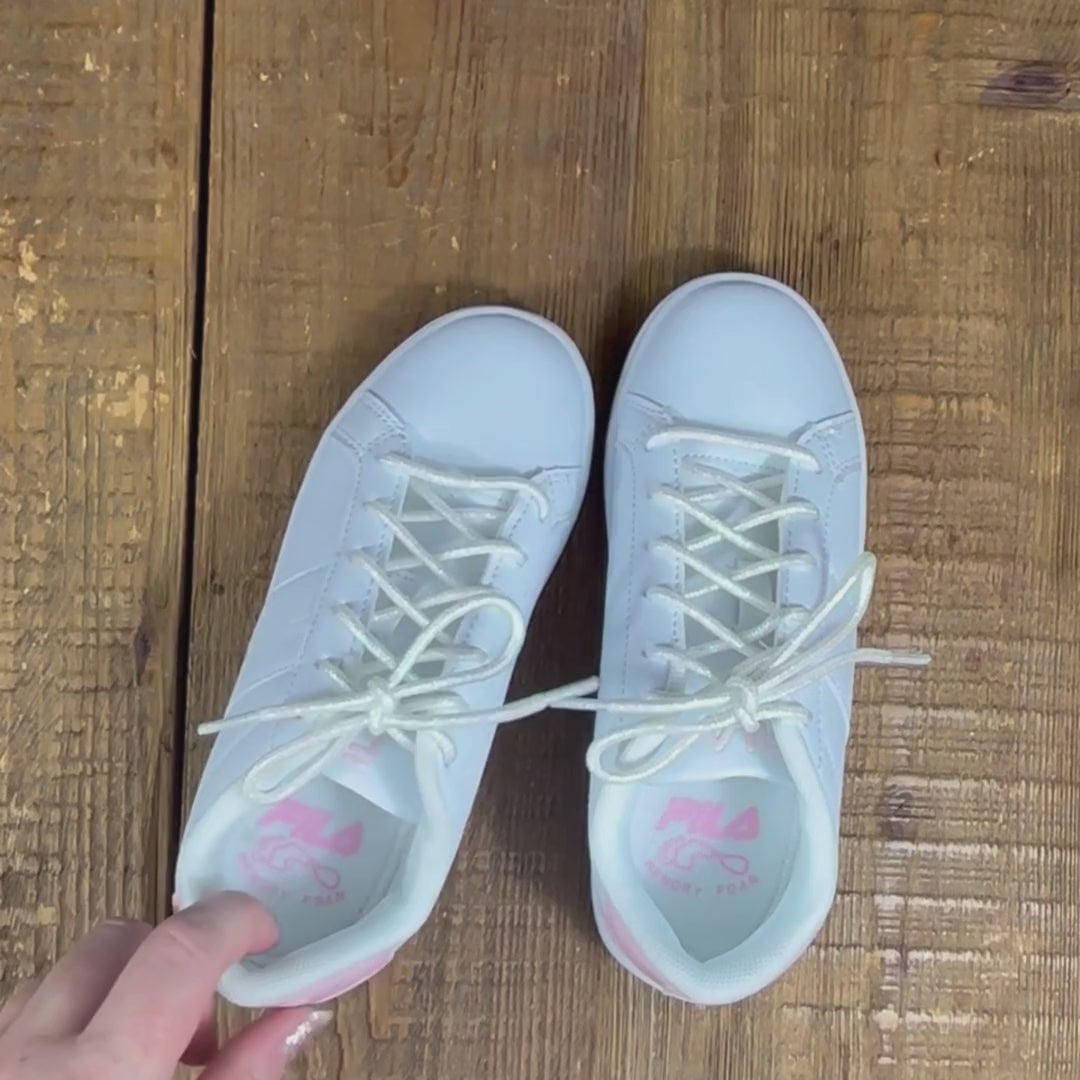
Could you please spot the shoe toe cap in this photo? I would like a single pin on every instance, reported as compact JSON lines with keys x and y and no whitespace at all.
{"x":744,"y":353}
{"x":493,"y":388}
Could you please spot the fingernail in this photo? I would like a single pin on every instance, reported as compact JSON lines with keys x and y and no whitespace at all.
{"x":299,"y":1038}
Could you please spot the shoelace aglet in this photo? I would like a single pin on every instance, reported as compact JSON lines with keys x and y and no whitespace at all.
{"x":898,"y":657}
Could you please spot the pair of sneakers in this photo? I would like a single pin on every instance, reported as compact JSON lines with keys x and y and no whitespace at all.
{"x":432,"y":514}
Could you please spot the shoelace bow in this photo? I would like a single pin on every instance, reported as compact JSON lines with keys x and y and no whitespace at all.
{"x":395,"y":700}
{"x":759,"y":688}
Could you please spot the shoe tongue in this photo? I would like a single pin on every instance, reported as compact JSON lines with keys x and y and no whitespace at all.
{"x":753,"y":754}
{"x":383,"y":773}
{"x":735,"y":753}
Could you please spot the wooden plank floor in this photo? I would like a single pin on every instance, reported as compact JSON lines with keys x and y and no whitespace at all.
{"x":911,"y":165}
{"x":98,"y":116}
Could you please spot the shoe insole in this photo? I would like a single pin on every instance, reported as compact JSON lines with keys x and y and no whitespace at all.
{"x":319,"y":860}
{"x":716,"y":856}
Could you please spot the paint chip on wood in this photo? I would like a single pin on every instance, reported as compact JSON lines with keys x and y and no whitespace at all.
{"x":27,"y":258}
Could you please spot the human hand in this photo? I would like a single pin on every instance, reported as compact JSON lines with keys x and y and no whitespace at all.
{"x":129,"y":1002}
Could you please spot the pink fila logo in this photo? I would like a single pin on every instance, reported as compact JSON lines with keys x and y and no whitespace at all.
{"x":705,"y":820}
{"x":756,"y":742}
{"x":704,"y":827}
{"x":310,"y":826}
{"x":297,"y":837}
{"x":359,"y":754}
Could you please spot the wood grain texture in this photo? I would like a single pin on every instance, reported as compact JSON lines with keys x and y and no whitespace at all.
{"x":911,"y":168}
{"x":98,"y":110}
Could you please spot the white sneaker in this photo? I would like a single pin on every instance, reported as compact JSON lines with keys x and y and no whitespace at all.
{"x":351,"y":751}
{"x":736,"y":505}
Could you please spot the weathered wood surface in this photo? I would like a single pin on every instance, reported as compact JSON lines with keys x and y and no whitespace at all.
{"x":910,"y":166}
{"x":99,"y":111}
